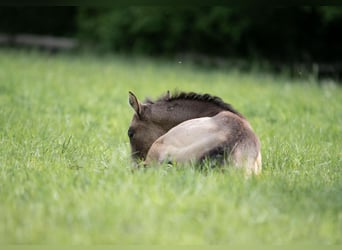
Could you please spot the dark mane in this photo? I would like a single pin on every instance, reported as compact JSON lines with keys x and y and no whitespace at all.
{"x":199,"y":97}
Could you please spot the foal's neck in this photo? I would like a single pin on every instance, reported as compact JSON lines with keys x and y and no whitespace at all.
{"x":169,"y":110}
{"x":181,"y":110}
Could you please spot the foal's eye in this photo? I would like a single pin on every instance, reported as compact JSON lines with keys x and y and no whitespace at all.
{"x":130,"y":132}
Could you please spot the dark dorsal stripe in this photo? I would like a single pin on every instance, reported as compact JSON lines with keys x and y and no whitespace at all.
{"x":199,"y":97}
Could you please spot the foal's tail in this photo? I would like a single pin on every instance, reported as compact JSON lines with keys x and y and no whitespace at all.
{"x":251,"y":163}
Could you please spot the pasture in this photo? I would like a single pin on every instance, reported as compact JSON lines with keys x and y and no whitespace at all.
{"x":65,"y":170}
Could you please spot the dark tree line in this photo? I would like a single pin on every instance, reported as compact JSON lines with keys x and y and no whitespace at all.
{"x":309,"y":34}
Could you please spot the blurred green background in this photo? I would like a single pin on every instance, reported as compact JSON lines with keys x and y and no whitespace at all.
{"x":286,"y":35}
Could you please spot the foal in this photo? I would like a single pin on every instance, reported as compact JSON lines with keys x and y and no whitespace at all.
{"x":153,"y":119}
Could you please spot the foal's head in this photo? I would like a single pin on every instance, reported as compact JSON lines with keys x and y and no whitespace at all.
{"x":148,"y":123}
{"x":152,"y":119}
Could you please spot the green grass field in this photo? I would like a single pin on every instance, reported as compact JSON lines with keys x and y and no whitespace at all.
{"x":65,"y":171}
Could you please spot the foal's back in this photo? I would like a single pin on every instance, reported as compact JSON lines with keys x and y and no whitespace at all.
{"x":197,"y":138}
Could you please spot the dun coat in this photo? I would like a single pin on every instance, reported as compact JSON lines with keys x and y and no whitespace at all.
{"x":153,"y":119}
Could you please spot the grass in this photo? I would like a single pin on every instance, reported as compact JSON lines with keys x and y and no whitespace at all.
{"x":65,"y":173}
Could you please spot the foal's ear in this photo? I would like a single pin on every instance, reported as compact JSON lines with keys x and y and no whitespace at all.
{"x":134,"y":102}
